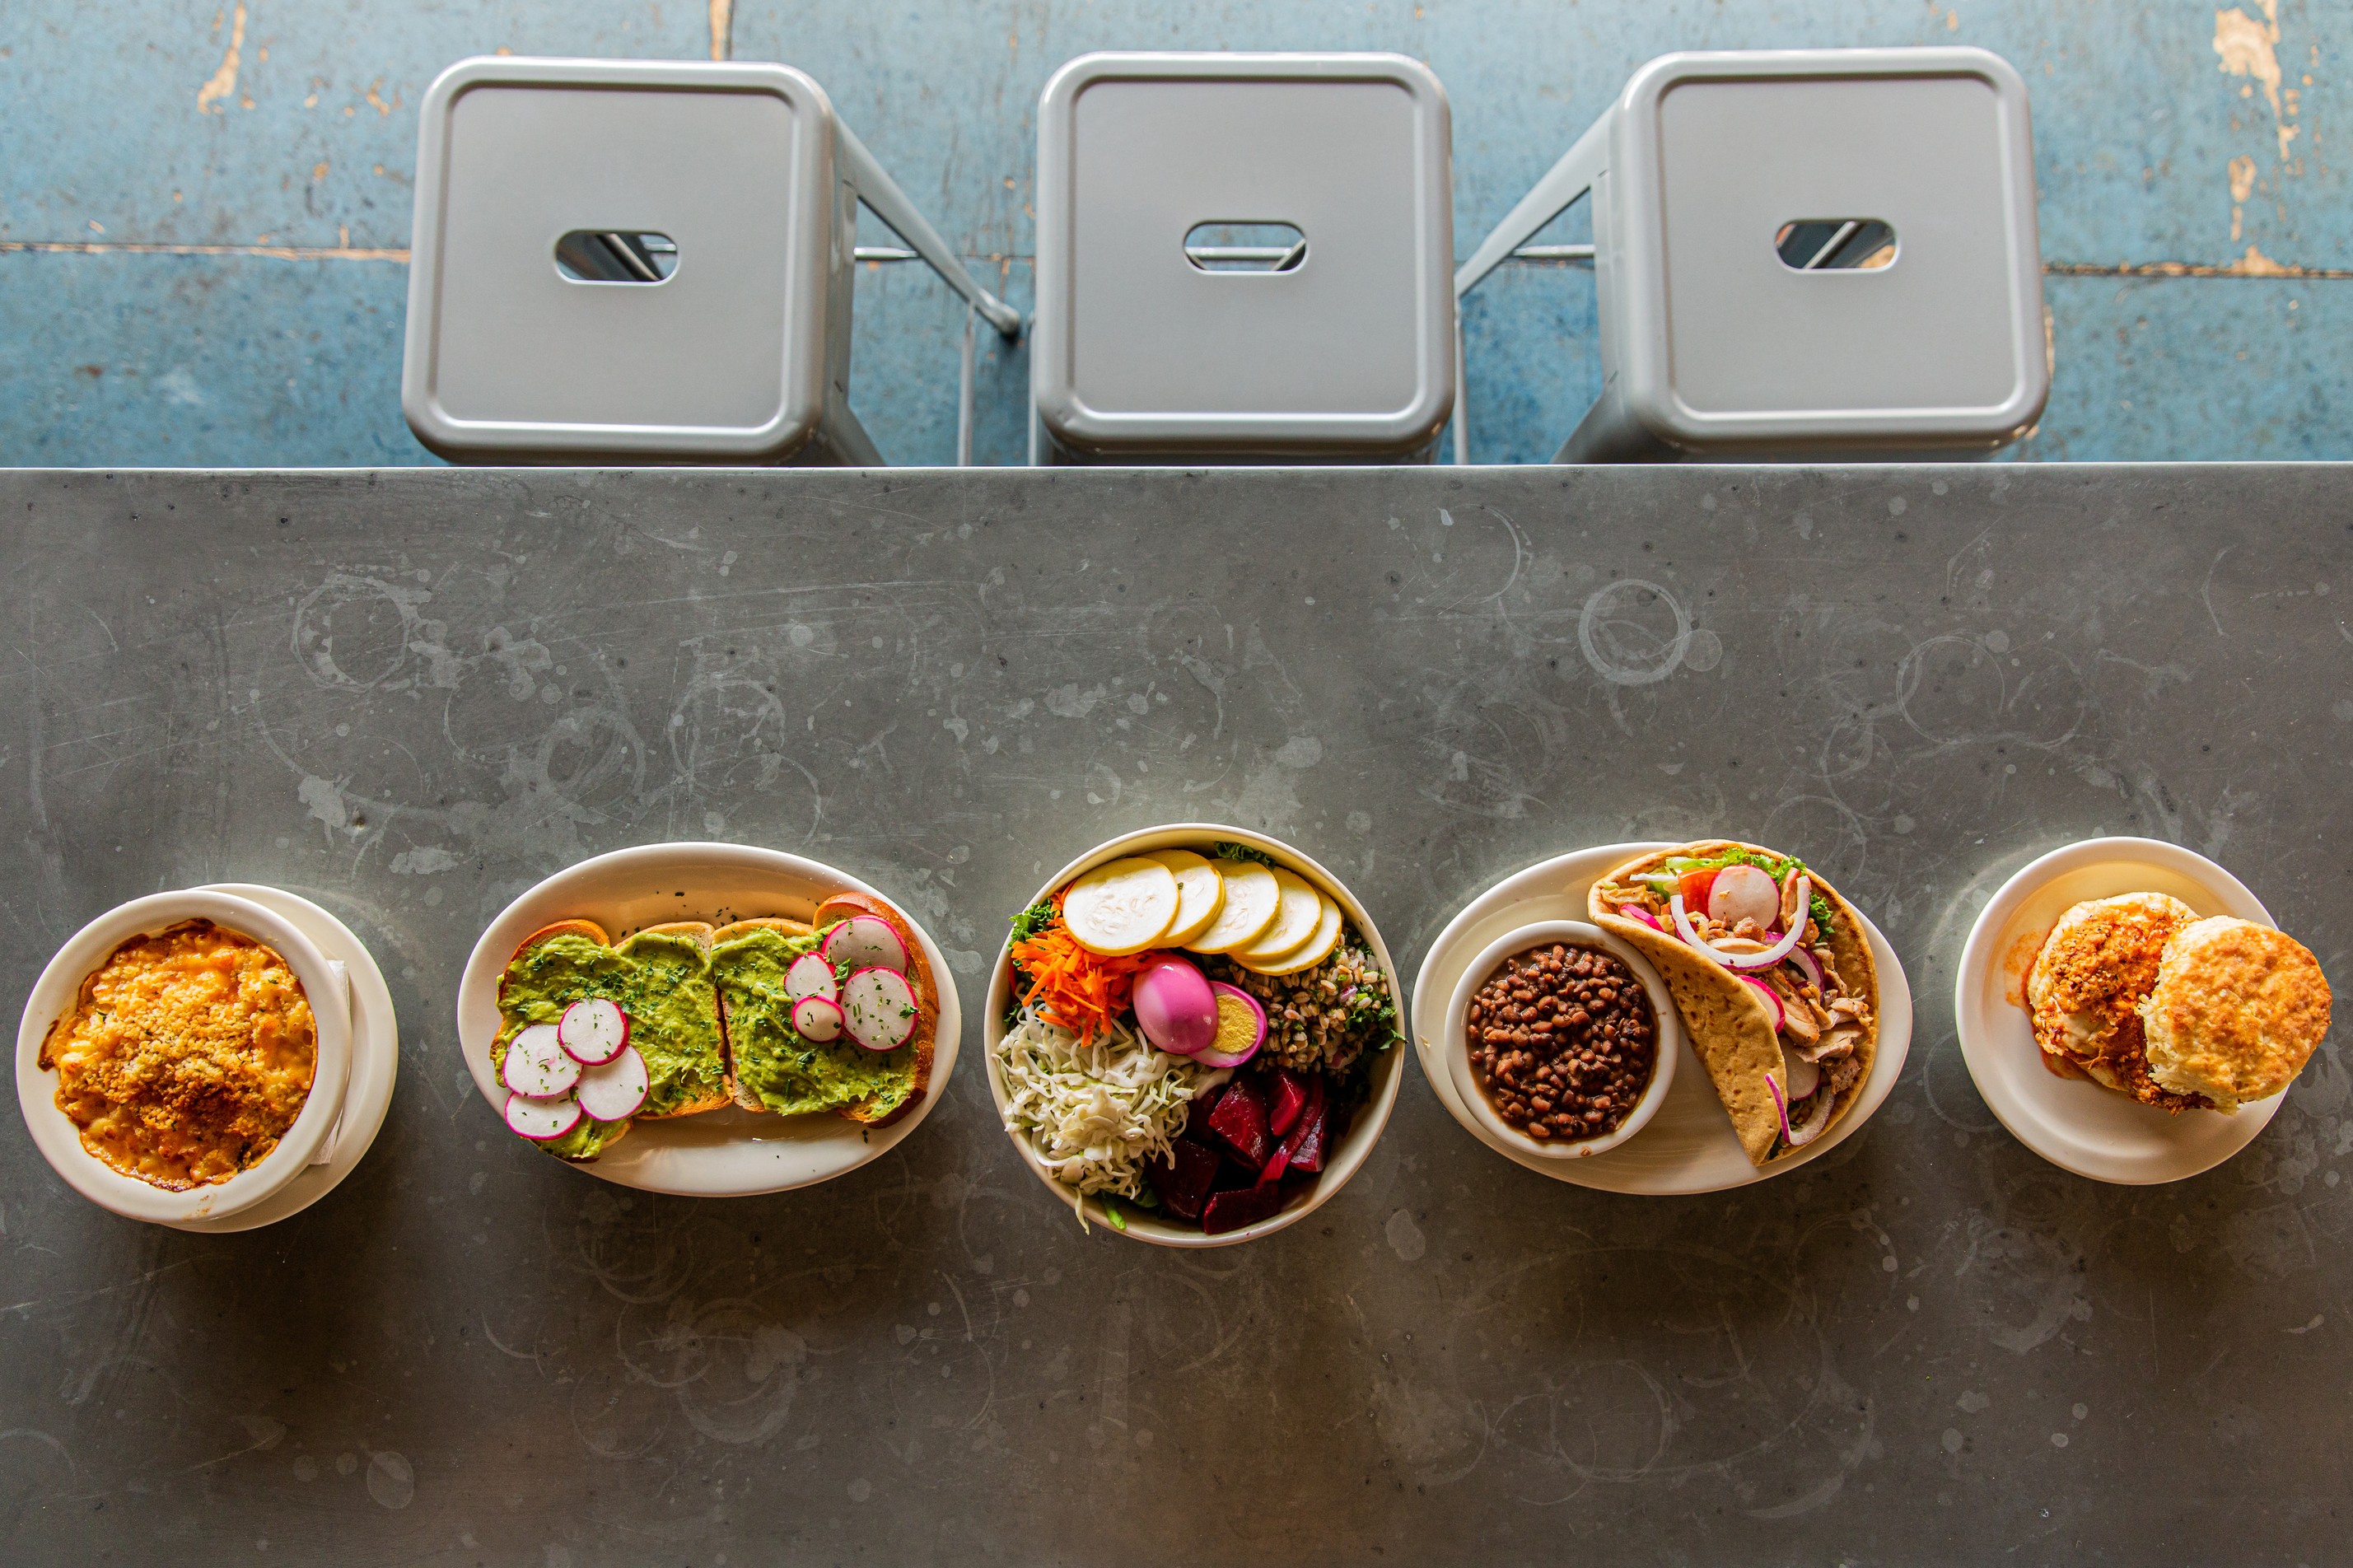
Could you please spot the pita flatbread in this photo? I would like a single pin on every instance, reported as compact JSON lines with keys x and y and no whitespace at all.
{"x":1730,"y":1027}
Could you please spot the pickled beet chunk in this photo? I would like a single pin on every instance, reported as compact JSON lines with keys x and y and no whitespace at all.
{"x":1307,"y":1140}
{"x":1239,"y":1117}
{"x":1184,"y":1178}
{"x":1307,"y":1121}
{"x":1197,"y":1114}
{"x":1290,"y":1100}
{"x":1244,"y":1205}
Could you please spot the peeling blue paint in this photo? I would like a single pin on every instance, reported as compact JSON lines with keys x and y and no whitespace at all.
{"x":137,"y":357}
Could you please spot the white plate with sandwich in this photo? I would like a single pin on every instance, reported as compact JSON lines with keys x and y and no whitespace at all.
{"x":1692,"y":1143}
{"x":709,"y":1020}
{"x":2100,"y":933}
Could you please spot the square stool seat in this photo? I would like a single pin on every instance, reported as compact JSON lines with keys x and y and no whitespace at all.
{"x":1805,"y":253}
{"x":1154,"y":341}
{"x":631,"y":260}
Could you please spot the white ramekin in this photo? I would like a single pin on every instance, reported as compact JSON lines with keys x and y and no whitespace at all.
{"x":1457,"y":1045}
{"x":59,"y":988}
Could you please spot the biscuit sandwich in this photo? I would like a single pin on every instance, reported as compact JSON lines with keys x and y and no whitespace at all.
{"x":2140,"y":996}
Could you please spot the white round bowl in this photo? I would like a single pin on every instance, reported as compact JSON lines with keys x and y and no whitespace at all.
{"x":729,"y":1152}
{"x":1579,"y":934}
{"x":1386,"y":1071}
{"x":2075,"y":1123}
{"x":59,"y":988}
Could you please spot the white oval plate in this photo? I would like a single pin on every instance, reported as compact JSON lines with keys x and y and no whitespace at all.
{"x":375,"y":1060}
{"x":2072,"y":1122}
{"x":1689,"y":1146}
{"x":1386,"y":1073}
{"x":731,"y":1151}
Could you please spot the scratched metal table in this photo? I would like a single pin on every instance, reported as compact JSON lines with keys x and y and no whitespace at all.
{"x":410,"y":695}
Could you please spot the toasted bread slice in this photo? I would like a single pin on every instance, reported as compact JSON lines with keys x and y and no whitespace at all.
{"x":736,"y":1090}
{"x":837,"y":1076}
{"x":688,"y":1074}
{"x":716,"y":1095}
{"x":876,"y":1112}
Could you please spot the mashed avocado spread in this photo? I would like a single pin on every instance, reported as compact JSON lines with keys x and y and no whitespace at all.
{"x":663,"y":982}
{"x":793,"y":1076}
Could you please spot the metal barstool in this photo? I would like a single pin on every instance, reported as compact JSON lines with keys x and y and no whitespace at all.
{"x":1243,"y":258}
{"x":644,"y":261}
{"x":1805,"y":253}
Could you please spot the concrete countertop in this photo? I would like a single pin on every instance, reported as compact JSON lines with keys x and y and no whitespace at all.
{"x":409,"y":696}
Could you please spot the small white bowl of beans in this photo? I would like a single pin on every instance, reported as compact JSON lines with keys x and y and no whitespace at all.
{"x":1562,"y":1039}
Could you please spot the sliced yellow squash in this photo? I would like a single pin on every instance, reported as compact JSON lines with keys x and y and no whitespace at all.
{"x":1121,"y":906}
{"x":1200,"y":893}
{"x":1294,"y":921}
{"x":1252,"y":897}
{"x":1307,"y":954}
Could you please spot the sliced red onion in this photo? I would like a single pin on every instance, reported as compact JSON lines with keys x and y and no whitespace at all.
{"x":1817,"y":1121}
{"x":1772,"y":998}
{"x":1691,"y":937}
{"x":1805,"y":961}
{"x":1768,"y":957}
{"x":1636,"y":913}
{"x":1780,"y":1103}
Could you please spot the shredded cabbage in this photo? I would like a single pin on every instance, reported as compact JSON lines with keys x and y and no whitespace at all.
{"x":1095,"y":1114}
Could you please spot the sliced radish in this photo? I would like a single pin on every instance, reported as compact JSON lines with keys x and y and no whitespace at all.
{"x":1743,"y":893}
{"x":536,"y":1065}
{"x":863,"y":940}
{"x":877,"y":1009}
{"x":541,"y":1119}
{"x":612,"y":1090}
{"x":817,"y":1018}
{"x":593,"y":1031}
{"x":1800,"y":1075}
{"x":1766,"y":994}
{"x":810,"y":975}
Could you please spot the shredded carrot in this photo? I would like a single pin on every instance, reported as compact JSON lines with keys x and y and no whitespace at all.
{"x":1083,"y":992}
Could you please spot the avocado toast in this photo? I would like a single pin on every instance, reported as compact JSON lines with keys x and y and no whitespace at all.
{"x":661,"y":979}
{"x":792,"y":1048}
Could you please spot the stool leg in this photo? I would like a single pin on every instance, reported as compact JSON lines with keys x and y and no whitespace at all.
{"x":963,"y":398}
{"x":1462,"y":399}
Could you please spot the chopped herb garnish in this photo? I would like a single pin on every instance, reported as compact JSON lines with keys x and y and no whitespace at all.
{"x":1226,"y":849}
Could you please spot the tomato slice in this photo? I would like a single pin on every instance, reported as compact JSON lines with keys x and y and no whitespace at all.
{"x":1695,"y":887}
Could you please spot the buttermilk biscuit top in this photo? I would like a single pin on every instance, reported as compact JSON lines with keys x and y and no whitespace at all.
{"x":2237,"y":1010}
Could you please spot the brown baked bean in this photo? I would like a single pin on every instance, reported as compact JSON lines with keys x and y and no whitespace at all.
{"x":1565,"y":1041}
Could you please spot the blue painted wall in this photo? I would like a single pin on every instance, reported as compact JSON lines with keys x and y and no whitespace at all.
{"x":203,"y":204}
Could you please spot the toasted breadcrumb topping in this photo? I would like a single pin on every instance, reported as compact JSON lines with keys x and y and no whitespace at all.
{"x":187,"y":1058}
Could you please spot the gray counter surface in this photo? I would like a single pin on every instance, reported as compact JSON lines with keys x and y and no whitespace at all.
{"x":409,"y":696}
